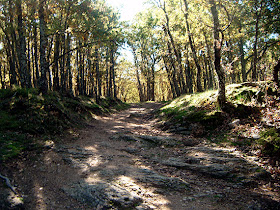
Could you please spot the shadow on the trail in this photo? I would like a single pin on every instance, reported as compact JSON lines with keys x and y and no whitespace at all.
{"x":108,"y":173}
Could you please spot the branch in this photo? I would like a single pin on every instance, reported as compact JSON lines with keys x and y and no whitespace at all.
{"x":8,"y":183}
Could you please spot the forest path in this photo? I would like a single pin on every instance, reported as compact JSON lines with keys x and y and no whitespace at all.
{"x":123,"y":161}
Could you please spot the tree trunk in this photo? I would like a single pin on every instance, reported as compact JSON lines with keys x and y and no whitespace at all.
{"x":139,"y":85}
{"x":23,"y":71}
{"x":175,"y":50}
{"x":242,"y":56}
{"x":189,"y":76}
{"x":217,"y":52}
{"x":98,"y":76}
{"x":56,"y":66}
{"x":36,"y":56}
{"x":198,"y":75}
{"x":43,"y":46}
{"x":169,"y":74}
{"x":68,"y":65}
{"x":210,"y":64}
{"x":255,"y":50}
{"x":276,"y":73}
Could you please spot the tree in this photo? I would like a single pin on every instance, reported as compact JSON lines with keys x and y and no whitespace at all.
{"x":217,"y":52}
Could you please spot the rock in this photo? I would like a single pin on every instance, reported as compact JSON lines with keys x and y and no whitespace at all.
{"x":103,"y":195}
{"x":125,"y":137}
{"x":157,"y":140}
{"x":130,"y":150}
{"x":191,"y":142}
{"x":160,"y":140}
{"x":161,"y":181}
{"x":187,"y":133}
{"x":214,"y":170}
{"x":234,"y":123}
{"x":180,"y":129}
{"x":261,"y":173}
{"x":135,"y":115}
{"x":8,"y":200}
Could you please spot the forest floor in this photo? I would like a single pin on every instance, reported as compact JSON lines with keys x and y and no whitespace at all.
{"x":124,"y":161}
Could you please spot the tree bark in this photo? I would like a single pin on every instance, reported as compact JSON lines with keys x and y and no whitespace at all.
{"x":175,"y":50}
{"x":68,"y":65}
{"x":56,"y":64}
{"x":210,"y":63}
{"x":276,"y":70}
{"x":198,"y":75}
{"x":217,"y":52}
{"x":98,"y":76}
{"x":43,"y":46}
{"x":139,"y":85}
{"x":23,"y":71}
{"x":242,"y":56}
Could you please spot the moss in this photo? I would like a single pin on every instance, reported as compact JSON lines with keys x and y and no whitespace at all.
{"x":270,"y":142}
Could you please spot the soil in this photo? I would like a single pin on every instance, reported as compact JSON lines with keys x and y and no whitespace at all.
{"x":124,"y":161}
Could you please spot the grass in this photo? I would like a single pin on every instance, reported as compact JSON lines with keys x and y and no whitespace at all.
{"x":28,"y":118}
{"x":247,"y":101}
{"x":203,"y":107}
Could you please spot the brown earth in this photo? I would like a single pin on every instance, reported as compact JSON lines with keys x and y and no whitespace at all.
{"x":123,"y":161}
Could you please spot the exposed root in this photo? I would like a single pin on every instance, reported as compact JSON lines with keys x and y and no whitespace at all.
{"x":8,"y":183}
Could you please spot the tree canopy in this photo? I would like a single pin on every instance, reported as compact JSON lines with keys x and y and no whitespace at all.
{"x":178,"y":47}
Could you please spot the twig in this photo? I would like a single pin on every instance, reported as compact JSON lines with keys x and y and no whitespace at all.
{"x":8,"y":183}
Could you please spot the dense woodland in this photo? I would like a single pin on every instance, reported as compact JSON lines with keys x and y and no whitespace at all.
{"x":179,"y":46}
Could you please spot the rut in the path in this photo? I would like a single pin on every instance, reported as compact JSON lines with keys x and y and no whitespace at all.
{"x":124,"y":162}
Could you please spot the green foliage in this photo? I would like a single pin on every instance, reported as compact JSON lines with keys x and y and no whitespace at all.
{"x":270,"y":141}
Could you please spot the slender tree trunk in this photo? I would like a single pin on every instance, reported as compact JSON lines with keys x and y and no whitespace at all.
{"x":276,"y":74}
{"x":112,"y":66}
{"x":210,"y":64}
{"x":139,"y":85}
{"x":217,"y":52}
{"x":107,"y":73}
{"x":255,"y":48}
{"x":12,"y":65}
{"x":56,"y":64}
{"x":174,"y":72}
{"x":189,"y":76}
{"x":98,"y":76}
{"x":62,"y":64}
{"x":242,"y":56}
{"x":152,"y":93}
{"x":36,"y":55}
{"x":198,"y":75}
{"x":23,"y":71}
{"x":43,"y":46}
{"x":1,"y":78}
{"x":68,"y":65}
{"x":169,"y":74}
{"x":175,"y":50}
{"x":29,"y":62}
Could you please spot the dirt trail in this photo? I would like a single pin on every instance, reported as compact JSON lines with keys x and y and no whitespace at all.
{"x":123,"y":162}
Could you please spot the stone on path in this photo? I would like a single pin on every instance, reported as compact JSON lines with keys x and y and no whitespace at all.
{"x":103,"y":195}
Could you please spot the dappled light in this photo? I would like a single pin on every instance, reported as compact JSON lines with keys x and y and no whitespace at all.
{"x":139,"y":105}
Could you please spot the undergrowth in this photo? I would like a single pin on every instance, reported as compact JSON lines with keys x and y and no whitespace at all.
{"x":201,"y":114}
{"x":27,"y":117}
